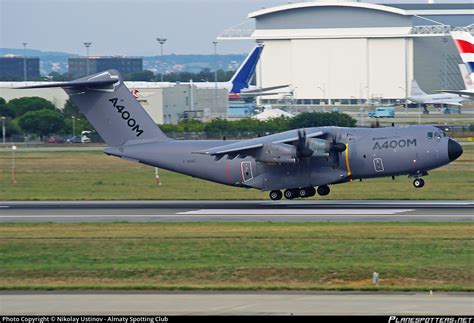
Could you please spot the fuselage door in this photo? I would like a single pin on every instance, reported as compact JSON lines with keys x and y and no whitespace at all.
{"x":246,"y":169}
{"x":378,"y":165}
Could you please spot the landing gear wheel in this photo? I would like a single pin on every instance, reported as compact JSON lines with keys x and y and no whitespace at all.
{"x":418,"y":183}
{"x":276,"y":195}
{"x":290,"y":194}
{"x":323,"y":190}
{"x":311,"y":191}
{"x":303,"y":192}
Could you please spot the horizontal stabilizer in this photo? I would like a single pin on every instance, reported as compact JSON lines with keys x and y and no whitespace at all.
{"x":465,"y":93}
{"x":74,"y":84}
{"x":264,"y":89}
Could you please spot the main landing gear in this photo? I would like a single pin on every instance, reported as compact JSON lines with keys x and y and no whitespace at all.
{"x":299,"y":192}
{"x":418,"y":182}
{"x":323,"y":190}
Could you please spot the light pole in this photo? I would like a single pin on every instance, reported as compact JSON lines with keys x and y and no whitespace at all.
{"x":13,"y":165}
{"x":25,"y":78}
{"x":323,"y":89}
{"x":87,"y":44}
{"x":361,"y":92}
{"x":162,"y":41}
{"x":406,"y":98}
{"x":73,"y":126}
{"x":215,"y":42}
{"x":445,"y":63}
{"x":419,"y":113}
{"x":3,"y":131}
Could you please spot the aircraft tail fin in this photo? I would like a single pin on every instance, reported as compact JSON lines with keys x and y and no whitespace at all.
{"x":467,"y":77}
{"x":465,"y":44}
{"x":246,"y":70}
{"x":415,"y":89}
{"x":109,"y":106}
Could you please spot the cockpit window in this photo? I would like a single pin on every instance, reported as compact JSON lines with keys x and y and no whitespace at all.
{"x":430,"y":135}
{"x":438,"y":135}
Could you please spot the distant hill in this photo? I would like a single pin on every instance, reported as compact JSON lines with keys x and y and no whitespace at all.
{"x":57,"y":61}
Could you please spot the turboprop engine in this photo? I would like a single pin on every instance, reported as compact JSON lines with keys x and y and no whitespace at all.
{"x":277,"y":153}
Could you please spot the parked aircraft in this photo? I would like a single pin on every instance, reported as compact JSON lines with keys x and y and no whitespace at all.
{"x":240,"y":81}
{"x":295,"y":161}
{"x":465,"y":44}
{"x":421,"y":97}
{"x":468,"y":78}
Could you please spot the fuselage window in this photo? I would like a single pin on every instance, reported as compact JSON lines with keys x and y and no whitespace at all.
{"x":430,"y":135}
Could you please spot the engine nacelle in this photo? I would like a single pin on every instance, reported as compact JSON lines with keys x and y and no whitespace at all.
{"x":277,"y":154}
{"x":320,"y":147}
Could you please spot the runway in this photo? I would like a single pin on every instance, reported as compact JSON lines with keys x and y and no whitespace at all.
{"x":234,"y":303}
{"x":237,"y":211}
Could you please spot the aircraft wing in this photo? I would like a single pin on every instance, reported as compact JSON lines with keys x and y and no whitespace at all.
{"x":464,"y":93}
{"x":251,"y":146}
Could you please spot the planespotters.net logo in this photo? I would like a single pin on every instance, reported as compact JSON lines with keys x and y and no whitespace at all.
{"x":447,"y":319}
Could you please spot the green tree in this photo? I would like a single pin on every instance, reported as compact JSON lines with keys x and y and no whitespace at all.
{"x":28,"y":104}
{"x":80,"y":123}
{"x":70,"y":109}
{"x":145,"y":76}
{"x":42,"y":122}
{"x":205,"y":75}
{"x":191,"y":125}
{"x":275,"y":125}
{"x":5,"y":109}
{"x":169,"y":128}
{"x":218,"y":128}
{"x":224,"y":76}
{"x":321,"y":119}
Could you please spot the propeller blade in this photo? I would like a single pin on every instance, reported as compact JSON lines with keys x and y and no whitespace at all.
{"x":302,"y":150}
{"x":337,"y":148}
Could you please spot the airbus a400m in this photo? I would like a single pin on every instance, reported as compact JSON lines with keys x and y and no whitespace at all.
{"x":293,"y":164}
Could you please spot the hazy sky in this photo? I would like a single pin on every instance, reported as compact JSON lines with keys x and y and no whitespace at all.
{"x":127,"y":27}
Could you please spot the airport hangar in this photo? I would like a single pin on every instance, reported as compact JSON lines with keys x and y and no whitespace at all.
{"x":342,"y":53}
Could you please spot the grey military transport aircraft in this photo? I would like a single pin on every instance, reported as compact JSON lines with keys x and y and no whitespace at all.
{"x":294,"y":161}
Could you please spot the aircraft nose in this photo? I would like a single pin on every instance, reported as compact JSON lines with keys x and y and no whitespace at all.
{"x":454,"y":149}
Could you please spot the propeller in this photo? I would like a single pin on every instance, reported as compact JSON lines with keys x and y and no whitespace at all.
{"x":302,"y":150}
{"x":336,"y":149}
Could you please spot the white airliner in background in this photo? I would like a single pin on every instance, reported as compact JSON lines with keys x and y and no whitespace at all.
{"x":239,"y":84}
{"x":419,"y":96}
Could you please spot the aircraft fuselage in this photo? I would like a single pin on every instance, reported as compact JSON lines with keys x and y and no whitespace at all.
{"x":369,"y":153}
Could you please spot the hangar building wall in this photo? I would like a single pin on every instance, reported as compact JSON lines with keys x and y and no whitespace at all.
{"x":350,"y":52}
